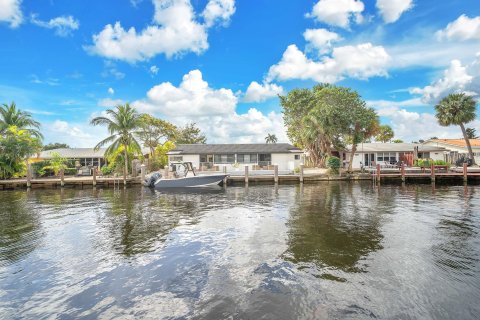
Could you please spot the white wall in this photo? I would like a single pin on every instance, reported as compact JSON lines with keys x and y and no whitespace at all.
{"x":286,"y":161}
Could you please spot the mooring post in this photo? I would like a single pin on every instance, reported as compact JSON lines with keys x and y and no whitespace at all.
{"x":142,"y":172}
{"x":403,"y":172}
{"x":432,"y":172}
{"x":378,"y":173}
{"x":301,"y":173}
{"x":94,"y":176}
{"x":62,"y":177}
{"x":465,"y":172}
{"x":275,"y":173}
{"x":29,"y":175}
{"x":246,"y":174}
{"x":225,"y":169}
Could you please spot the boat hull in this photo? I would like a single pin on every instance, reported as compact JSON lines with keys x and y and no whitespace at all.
{"x":191,"y":182}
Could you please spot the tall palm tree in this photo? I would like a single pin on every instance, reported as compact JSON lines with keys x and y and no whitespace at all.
{"x":10,"y":115}
{"x":122,"y":124}
{"x":457,"y":109}
{"x":271,"y":138}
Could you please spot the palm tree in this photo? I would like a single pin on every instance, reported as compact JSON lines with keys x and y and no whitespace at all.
{"x":471,"y":133}
{"x":457,"y":109}
{"x":122,"y":124}
{"x":271,"y":138}
{"x":385,"y":134}
{"x":10,"y":116}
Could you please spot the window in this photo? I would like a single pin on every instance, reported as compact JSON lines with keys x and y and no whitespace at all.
{"x":297,"y":157}
{"x":247,"y":158}
{"x":265,"y":157}
{"x":176,"y":158}
{"x":224,"y":158}
{"x":390,"y":157}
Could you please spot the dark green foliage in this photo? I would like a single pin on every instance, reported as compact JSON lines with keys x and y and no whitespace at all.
{"x":333,"y":163}
{"x":52,"y":146}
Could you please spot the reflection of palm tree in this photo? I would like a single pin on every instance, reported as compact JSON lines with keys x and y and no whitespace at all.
{"x":331,"y":228}
{"x":271,"y":138}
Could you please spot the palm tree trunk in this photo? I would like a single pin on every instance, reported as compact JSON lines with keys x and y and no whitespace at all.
{"x":352,"y":154}
{"x":125,"y":169}
{"x":469,"y":146}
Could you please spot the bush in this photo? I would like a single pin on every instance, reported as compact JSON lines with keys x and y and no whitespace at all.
{"x":429,"y":162}
{"x":334,"y":164}
{"x":107,"y":170}
{"x":70,"y":171}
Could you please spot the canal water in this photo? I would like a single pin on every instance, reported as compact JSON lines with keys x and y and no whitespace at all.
{"x":325,"y":251}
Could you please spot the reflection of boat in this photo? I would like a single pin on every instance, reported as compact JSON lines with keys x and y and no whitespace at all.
{"x":184,"y":177}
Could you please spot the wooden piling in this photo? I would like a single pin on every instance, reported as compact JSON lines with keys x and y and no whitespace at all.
{"x":275,"y":175}
{"x":301,"y":173}
{"x":142,"y":172}
{"x":94,"y":182}
{"x":378,"y":173}
{"x":225,"y":169}
{"x":403,"y":172}
{"x":432,"y":172}
{"x":465,"y":172}
{"x":29,"y":175}
{"x":246,"y":174}
{"x":62,"y":177}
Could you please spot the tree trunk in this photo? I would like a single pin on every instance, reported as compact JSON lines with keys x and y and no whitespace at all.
{"x":352,"y":154}
{"x":469,"y":146}
{"x":125,"y":169}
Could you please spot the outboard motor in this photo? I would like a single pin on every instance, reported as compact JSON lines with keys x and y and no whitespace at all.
{"x":151,"y":179}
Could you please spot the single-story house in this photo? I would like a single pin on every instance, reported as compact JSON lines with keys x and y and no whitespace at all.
{"x":457,"y":148}
{"x":206,"y":157}
{"x":369,"y":154}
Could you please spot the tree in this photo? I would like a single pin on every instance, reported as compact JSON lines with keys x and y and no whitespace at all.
{"x":56,"y":145}
{"x":397,"y":141}
{"x":271,"y":138}
{"x":471,"y":133}
{"x":57,"y":163}
{"x":161,"y":153}
{"x":11,"y":116}
{"x":457,"y":109}
{"x":190,"y":134}
{"x":123,"y":124}
{"x":385,"y":134}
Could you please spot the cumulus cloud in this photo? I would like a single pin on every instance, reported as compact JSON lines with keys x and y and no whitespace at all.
{"x":81,"y":135}
{"x":111,"y":91}
{"x":63,"y":25}
{"x":257,"y":92}
{"x":218,"y":11}
{"x":321,"y":39}
{"x":361,"y":61}
{"x":456,"y":78}
{"x":175,"y":30}
{"x":11,"y":13}
{"x":464,"y":28}
{"x":154,"y":70}
{"x":391,"y":10}
{"x":338,"y":13}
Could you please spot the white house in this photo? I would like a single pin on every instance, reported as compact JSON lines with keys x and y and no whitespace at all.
{"x":456,"y":147}
{"x":216,"y":157}
{"x":369,"y":154}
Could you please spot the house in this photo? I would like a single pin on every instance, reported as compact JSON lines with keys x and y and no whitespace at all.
{"x":369,"y":154}
{"x":216,"y":157}
{"x":457,"y":148}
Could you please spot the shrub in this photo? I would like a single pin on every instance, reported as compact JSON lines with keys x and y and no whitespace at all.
{"x":107,"y":170}
{"x":70,"y":171}
{"x":334,"y":164}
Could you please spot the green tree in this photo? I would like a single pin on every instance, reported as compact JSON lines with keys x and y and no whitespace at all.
{"x":56,"y":145}
{"x":457,"y":109}
{"x":56,"y":164}
{"x":471,"y":133}
{"x":397,"y":141}
{"x":190,"y":134}
{"x":385,"y":134}
{"x":10,"y":116}
{"x":271,"y":138}
{"x":123,"y":125}
{"x":161,"y":153}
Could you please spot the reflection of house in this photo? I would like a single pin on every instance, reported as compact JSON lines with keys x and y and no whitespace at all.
{"x":456,"y":147}
{"x":256,"y":156}
{"x":370,"y":154}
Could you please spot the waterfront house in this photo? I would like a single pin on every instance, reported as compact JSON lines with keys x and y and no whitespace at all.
{"x":216,"y":157}
{"x":457,"y":148}
{"x":370,"y":154}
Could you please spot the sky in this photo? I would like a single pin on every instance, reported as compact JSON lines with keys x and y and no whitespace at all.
{"x":223,"y":63}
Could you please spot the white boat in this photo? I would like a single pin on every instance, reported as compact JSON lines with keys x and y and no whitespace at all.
{"x":186,"y":178}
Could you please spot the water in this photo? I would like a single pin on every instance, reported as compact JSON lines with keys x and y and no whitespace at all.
{"x":326,"y":251}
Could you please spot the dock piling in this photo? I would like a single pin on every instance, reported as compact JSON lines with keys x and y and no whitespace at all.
{"x":29,"y":175}
{"x":378,"y":173}
{"x":432,"y":172}
{"x":301,"y":173}
{"x":246,"y":175}
{"x":275,"y":178}
{"x":465,"y":172}
{"x":403,"y":172}
{"x":94,"y":182}
{"x":142,"y":172}
{"x":62,"y":177}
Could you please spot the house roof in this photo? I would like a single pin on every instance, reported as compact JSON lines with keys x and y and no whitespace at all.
{"x":235,"y":148}
{"x":76,"y":153}
{"x":456,"y":142}
{"x":395,"y":147}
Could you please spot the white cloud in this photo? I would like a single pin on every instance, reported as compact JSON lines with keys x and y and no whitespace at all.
{"x":464,"y":28}
{"x":110,"y":69}
{"x":257,"y":92}
{"x":154,"y":70}
{"x":378,"y":104}
{"x":218,"y":11}
{"x":361,"y":61}
{"x":321,"y":39}
{"x":81,"y":135}
{"x":193,"y":97}
{"x":63,"y":25}
{"x":337,"y":13}
{"x":457,"y":78}
{"x":11,"y":13}
{"x":175,"y":30}
{"x":111,"y":91}
{"x":109,"y":103}
{"x":391,"y":10}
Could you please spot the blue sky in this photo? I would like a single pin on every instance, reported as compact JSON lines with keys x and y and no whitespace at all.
{"x":221,"y":63}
